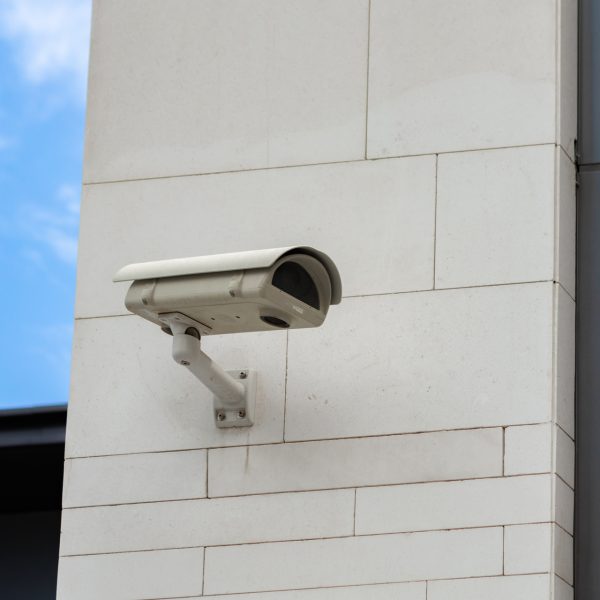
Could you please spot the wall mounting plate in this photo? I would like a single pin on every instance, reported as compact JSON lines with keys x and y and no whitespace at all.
{"x":241,"y":414}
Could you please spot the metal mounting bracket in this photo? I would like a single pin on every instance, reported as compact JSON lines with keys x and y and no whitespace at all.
{"x":234,"y":391}
{"x":240,"y":414}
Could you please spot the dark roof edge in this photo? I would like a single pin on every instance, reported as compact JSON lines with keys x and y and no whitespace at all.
{"x":33,"y":410}
{"x":33,"y":426}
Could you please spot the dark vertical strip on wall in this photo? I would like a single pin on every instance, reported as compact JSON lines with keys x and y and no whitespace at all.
{"x":589,"y":82}
{"x":32,"y":448}
{"x":587,"y":488}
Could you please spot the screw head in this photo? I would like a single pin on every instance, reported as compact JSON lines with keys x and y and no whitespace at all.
{"x":243,"y":375}
{"x":242,"y":414}
{"x":220,"y":416}
{"x":185,"y":363}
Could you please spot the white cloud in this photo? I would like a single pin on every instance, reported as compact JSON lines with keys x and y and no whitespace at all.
{"x":69,"y":195}
{"x":63,"y":244}
{"x":54,"y":226}
{"x":50,"y":37}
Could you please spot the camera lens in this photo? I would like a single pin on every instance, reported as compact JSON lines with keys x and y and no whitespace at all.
{"x":292,"y":278}
{"x":275,"y":322}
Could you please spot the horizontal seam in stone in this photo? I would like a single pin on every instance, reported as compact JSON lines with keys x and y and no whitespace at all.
{"x":312,"y":441}
{"x":316,"y":539}
{"x":377,"y":295}
{"x":344,"y":488}
{"x":326,"y":163}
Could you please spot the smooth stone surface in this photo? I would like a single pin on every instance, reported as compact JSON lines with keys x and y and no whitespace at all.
{"x":462,"y":75}
{"x":356,"y":462}
{"x":528,"y":549}
{"x":122,"y":479}
{"x":428,"y":506}
{"x":495,"y":217}
{"x":320,"y":563}
{"x":425,"y":361}
{"x":526,"y":587}
{"x":188,"y":87}
{"x":139,"y":575}
{"x":208,"y":522}
{"x":528,"y":449}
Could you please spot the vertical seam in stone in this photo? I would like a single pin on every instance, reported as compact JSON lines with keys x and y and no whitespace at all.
{"x":206,"y":476}
{"x":554,"y":402}
{"x":285,"y":386}
{"x":354,"y":521}
{"x":557,"y":71}
{"x":504,"y":451}
{"x":368,"y":69}
{"x":556,"y":213}
{"x":203,"y":569}
{"x":503,"y":550}
{"x":552,"y":549}
{"x":435,"y":218}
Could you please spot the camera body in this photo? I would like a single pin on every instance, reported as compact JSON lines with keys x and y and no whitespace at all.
{"x":261,"y":290}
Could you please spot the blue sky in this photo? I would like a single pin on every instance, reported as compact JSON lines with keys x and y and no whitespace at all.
{"x":43,"y":66}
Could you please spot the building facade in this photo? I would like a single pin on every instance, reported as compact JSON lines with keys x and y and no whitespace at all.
{"x":420,"y":444}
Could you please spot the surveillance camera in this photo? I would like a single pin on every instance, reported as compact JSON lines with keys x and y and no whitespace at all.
{"x":262,"y":290}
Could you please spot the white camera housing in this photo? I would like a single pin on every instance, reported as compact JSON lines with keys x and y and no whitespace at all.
{"x":261,"y":290}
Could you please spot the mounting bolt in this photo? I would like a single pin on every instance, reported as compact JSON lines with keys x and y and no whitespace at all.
{"x":243,"y":375}
{"x":220,"y":416}
{"x":242,"y":414}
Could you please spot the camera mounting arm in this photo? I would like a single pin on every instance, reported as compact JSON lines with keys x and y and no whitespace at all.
{"x":234,"y":391}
